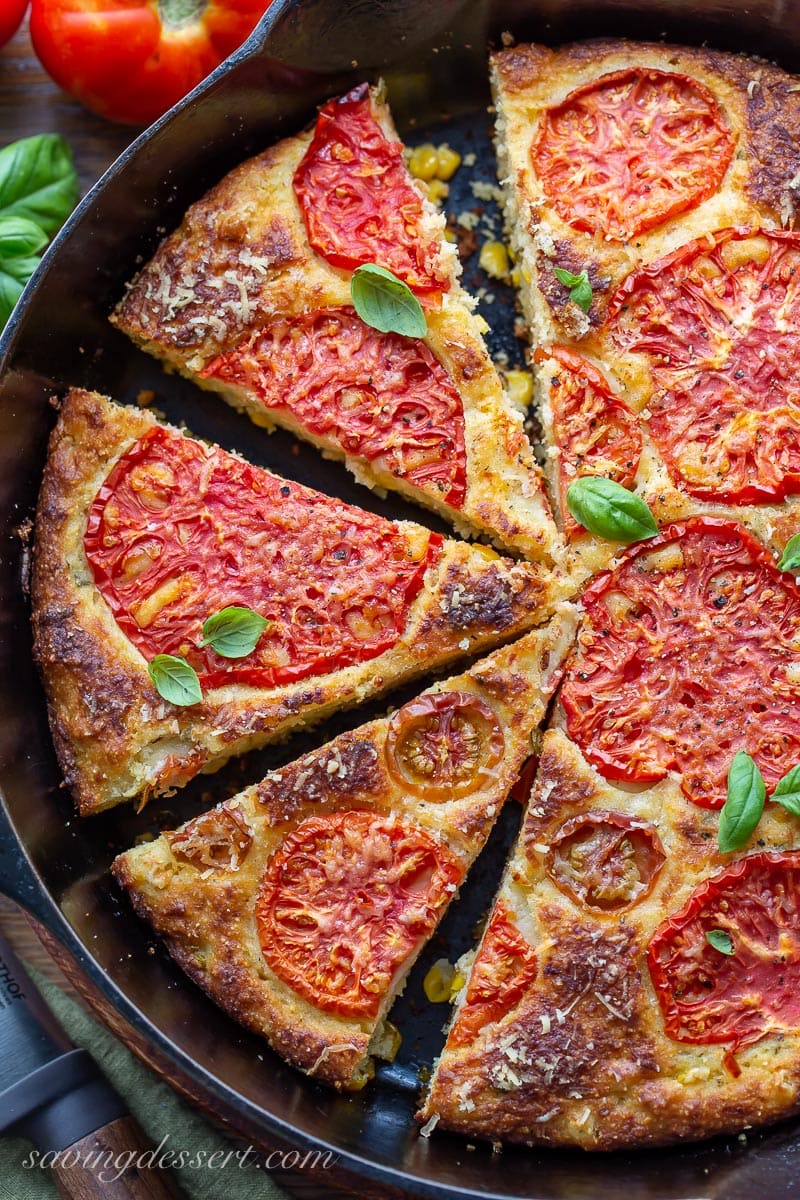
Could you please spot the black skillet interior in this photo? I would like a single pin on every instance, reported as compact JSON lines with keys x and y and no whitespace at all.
{"x":433,"y":58}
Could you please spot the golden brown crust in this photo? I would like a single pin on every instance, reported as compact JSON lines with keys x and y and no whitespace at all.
{"x":241,"y":259}
{"x":762,"y":106}
{"x":583,"y":1059}
{"x":115,"y":737}
{"x":204,"y":909}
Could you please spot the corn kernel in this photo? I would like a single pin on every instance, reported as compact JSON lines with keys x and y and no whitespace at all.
{"x":449,"y":236}
{"x":438,"y":191}
{"x":424,"y":162}
{"x":456,"y":985}
{"x":437,"y":983}
{"x":516,"y":277}
{"x":448,"y":162}
{"x":519,"y":385}
{"x":494,"y":260}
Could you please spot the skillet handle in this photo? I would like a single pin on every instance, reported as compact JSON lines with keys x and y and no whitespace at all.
{"x":94,"y":1168}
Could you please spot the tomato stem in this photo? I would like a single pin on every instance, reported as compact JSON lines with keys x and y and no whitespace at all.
{"x":176,"y":14}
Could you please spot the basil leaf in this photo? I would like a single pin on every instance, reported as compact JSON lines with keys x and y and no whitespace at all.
{"x":720,"y":940}
{"x":38,"y":181}
{"x":608,"y":510}
{"x":14,"y":274}
{"x":580,"y":289}
{"x":19,"y":236}
{"x":386,"y":303}
{"x":787,"y":792}
{"x":175,"y":680}
{"x":233,"y":632}
{"x":744,"y":806}
{"x":790,"y":559}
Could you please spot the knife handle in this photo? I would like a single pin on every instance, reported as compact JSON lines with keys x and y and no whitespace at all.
{"x":80,"y":1171}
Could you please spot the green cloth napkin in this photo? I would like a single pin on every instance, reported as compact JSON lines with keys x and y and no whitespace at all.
{"x":157,"y":1109}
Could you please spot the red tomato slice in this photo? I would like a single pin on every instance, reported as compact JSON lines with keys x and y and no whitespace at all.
{"x":379,"y":396}
{"x":595,"y":432}
{"x":445,"y":745}
{"x":709,"y":997}
{"x":504,"y":968}
{"x":720,"y":319}
{"x":630,"y":150}
{"x":687,"y":655}
{"x":345,"y":901}
{"x":605,"y":860}
{"x":358,"y":200}
{"x":181,"y":530}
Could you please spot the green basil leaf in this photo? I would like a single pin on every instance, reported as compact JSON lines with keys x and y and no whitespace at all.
{"x":609,"y":510}
{"x":787,"y":792}
{"x":790,"y":559}
{"x":14,"y":274}
{"x":19,"y":236}
{"x":175,"y":680}
{"x":720,"y":940}
{"x":386,"y":303}
{"x":744,"y":806}
{"x":233,"y":632}
{"x":38,"y":181}
{"x":566,"y":277}
{"x":580,"y":289}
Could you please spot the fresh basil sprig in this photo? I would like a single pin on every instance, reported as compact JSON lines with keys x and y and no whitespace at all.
{"x":608,"y":510}
{"x":745,"y":803}
{"x":790,"y":559}
{"x":580,"y":289}
{"x":20,"y":237}
{"x":175,"y":680}
{"x":234,"y":631}
{"x":720,"y":940}
{"x":787,"y":792}
{"x":386,"y":303}
{"x":38,"y":181}
{"x":38,"y":190}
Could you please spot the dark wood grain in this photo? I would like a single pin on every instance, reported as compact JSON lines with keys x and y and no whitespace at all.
{"x":31,"y":103}
{"x":80,"y":1172}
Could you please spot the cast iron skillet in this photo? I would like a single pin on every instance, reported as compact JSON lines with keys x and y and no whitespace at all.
{"x":433,"y":54}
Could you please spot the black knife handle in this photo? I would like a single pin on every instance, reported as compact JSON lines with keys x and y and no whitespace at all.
{"x":119,"y":1142}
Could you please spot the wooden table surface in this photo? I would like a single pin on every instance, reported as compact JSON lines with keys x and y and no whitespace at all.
{"x":30,"y":103}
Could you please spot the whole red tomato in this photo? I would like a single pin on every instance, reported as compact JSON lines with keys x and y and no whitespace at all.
{"x":11,"y":14}
{"x":131,"y":60}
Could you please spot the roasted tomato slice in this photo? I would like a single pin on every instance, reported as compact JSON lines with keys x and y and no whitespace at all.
{"x":595,"y":432}
{"x":504,"y":968}
{"x":181,"y":530}
{"x":358,"y":200}
{"x":379,"y":396}
{"x":720,"y":319}
{"x":605,"y":860}
{"x":707,"y":996}
{"x":630,"y":150}
{"x":444,"y":745}
{"x":218,"y":840}
{"x":344,"y":902}
{"x":688,"y":653}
